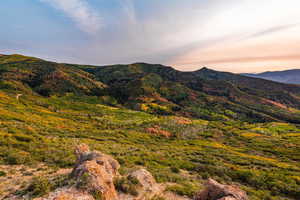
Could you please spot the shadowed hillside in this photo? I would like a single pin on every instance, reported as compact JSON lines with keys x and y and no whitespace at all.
{"x":205,"y":93}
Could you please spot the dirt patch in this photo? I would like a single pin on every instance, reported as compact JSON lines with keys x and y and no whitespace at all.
{"x":16,"y":177}
{"x":276,"y":103}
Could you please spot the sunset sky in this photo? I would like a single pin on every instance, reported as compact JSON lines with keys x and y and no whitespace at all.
{"x":228,"y":35}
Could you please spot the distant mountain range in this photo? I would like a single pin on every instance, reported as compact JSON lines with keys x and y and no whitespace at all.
{"x":287,"y":76}
{"x":157,"y":89}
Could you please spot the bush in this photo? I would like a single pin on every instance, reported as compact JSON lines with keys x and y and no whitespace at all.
{"x":127,"y":185}
{"x":175,"y":170}
{"x":39,"y":186}
{"x":18,"y":158}
{"x":97,"y":195}
{"x":2,"y":173}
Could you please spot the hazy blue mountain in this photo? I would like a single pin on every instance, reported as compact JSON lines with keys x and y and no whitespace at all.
{"x":287,"y":76}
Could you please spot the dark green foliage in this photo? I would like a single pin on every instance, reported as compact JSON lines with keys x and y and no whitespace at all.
{"x":175,"y":169}
{"x":127,"y":185}
{"x":2,"y":173}
{"x":97,"y":195}
{"x":39,"y":187}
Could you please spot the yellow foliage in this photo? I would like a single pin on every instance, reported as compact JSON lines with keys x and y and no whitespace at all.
{"x":256,"y":157}
{"x":296,"y":178}
{"x":292,"y":134}
{"x":3,"y":95}
{"x":250,"y":135}
{"x":144,"y":107}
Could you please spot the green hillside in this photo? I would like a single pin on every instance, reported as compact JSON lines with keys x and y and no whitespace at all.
{"x":205,"y":94}
{"x":184,"y":127}
{"x":26,"y":74}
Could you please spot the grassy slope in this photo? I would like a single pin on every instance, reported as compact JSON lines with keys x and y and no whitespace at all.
{"x":32,"y":75}
{"x":264,"y":158}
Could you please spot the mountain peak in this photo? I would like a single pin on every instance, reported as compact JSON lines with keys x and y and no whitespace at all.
{"x":205,"y":69}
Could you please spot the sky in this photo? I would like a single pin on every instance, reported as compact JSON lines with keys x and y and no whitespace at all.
{"x":227,"y":35}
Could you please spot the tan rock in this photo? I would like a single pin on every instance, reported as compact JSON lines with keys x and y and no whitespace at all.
{"x":148,"y":187}
{"x":99,"y":171}
{"x":217,"y":191}
{"x":145,"y":178}
{"x":93,"y":175}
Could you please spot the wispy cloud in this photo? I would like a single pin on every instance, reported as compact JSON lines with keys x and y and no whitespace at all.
{"x":86,"y":18}
{"x":246,"y":59}
{"x":273,"y":29}
{"x":129,"y":10}
{"x":229,"y":35}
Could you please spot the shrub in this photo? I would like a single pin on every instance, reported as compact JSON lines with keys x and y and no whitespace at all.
{"x":127,"y":185}
{"x":97,"y":195}
{"x":39,"y":186}
{"x":18,"y":157}
{"x":2,"y":173}
{"x":175,"y":170}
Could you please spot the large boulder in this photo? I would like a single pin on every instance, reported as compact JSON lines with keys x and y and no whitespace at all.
{"x":97,"y":171}
{"x":92,"y":175}
{"x":145,"y":178}
{"x":147,"y":187}
{"x":217,"y":191}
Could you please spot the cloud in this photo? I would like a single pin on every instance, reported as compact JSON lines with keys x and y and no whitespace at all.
{"x":86,"y":18}
{"x":235,"y":34}
{"x":273,"y":30}
{"x":248,"y":59}
{"x":128,"y":8}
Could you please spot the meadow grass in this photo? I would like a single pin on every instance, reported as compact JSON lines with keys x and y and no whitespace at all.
{"x":263,"y":158}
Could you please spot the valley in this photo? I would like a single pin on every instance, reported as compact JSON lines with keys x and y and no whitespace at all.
{"x":183,"y":127}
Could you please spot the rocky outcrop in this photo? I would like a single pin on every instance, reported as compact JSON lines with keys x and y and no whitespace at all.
{"x":92,"y":175}
{"x":217,"y":191}
{"x":95,"y":175}
{"x":96,"y":171}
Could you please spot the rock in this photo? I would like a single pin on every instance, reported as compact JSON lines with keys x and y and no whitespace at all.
{"x":97,"y":171}
{"x":217,"y":191}
{"x":92,"y":175}
{"x":145,"y":178}
{"x":95,"y":160}
{"x":147,"y":187}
